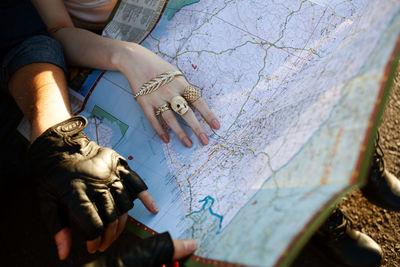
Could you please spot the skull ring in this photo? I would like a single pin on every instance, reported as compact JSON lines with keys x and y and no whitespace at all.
{"x":179,"y":105}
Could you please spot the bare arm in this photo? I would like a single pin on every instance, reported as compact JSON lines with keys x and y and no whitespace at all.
{"x":40,"y":90}
{"x":81,"y":47}
{"x":84,"y":48}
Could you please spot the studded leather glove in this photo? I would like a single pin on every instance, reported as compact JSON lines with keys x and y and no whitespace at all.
{"x":153,"y":251}
{"x":79,"y":182}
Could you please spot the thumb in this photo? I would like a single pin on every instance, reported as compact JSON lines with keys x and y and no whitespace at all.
{"x":63,"y":242}
{"x":148,"y":201}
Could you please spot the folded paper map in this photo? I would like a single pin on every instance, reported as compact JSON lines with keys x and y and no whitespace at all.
{"x":297,"y":87}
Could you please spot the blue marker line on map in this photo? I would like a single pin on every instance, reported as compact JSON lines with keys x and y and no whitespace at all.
{"x":174,"y":6}
{"x":208,"y":202}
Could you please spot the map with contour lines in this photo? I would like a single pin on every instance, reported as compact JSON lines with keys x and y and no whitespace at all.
{"x":294,"y":85}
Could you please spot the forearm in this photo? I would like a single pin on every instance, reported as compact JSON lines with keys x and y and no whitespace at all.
{"x":81,"y":47}
{"x":84,"y":48}
{"x":40,"y":90}
{"x":87,"y":49}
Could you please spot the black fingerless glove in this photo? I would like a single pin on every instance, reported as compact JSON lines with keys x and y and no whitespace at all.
{"x":80,"y":182}
{"x":153,"y":251}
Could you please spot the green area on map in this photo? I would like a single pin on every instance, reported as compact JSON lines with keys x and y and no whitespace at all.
{"x":100,"y":113}
{"x":175,"y":6}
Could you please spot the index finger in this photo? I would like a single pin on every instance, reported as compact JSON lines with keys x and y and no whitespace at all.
{"x":148,"y":201}
{"x":206,"y":112}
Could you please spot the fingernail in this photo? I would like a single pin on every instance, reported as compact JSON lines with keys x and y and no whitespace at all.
{"x":154,"y":207}
{"x":215,"y":124}
{"x":165,"y":138}
{"x":186,"y":141}
{"x":204,"y":139}
{"x":190,"y":245}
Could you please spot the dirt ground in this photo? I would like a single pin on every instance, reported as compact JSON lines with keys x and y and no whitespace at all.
{"x":24,"y":241}
{"x":380,"y":224}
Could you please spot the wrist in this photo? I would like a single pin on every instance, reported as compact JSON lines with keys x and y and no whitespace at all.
{"x":125,"y":56}
{"x":138,"y":64}
{"x":43,"y":122}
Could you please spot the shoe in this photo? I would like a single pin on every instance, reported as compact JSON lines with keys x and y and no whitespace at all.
{"x":382,"y":188}
{"x":346,"y":246}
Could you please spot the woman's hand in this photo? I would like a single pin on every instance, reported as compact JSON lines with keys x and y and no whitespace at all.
{"x":139,"y":65}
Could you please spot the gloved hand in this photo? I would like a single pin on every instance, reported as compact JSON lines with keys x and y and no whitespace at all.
{"x":153,"y":251}
{"x":80,"y":182}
